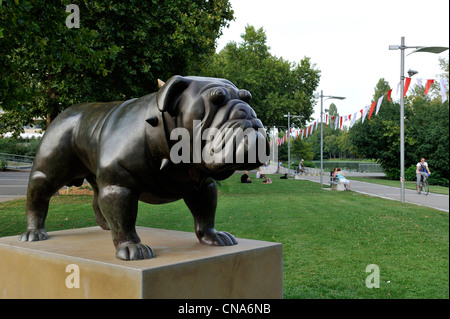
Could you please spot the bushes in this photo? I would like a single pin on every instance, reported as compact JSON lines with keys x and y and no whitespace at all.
{"x":2,"y":165}
{"x":410,"y":175}
{"x":25,"y":147}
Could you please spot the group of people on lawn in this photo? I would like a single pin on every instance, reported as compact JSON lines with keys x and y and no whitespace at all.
{"x":422,"y":171}
{"x":246,"y":179}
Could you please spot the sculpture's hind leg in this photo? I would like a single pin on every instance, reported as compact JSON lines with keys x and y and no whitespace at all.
{"x":46,"y":178}
{"x":40,"y":190}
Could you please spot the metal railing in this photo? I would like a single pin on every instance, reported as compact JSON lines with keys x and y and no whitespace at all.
{"x":17,"y":158}
{"x":14,"y":161}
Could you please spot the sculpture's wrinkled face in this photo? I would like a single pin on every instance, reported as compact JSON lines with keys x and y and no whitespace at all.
{"x":224,"y":132}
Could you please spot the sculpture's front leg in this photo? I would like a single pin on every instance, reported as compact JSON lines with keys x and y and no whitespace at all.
{"x":119,"y":206}
{"x":203,"y":207}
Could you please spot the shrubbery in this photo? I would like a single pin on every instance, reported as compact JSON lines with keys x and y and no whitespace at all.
{"x":24,"y":147}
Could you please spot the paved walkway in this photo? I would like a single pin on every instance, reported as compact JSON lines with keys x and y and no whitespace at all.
{"x":437,"y":201}
{"x":13,"y":185}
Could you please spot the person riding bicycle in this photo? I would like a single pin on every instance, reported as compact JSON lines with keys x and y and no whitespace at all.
{"x":421,"y":171}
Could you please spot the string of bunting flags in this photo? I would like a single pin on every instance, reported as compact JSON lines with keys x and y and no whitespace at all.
{"x":337,"y":121}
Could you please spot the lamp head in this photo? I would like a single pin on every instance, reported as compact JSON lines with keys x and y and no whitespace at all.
{"x":411,"y":73}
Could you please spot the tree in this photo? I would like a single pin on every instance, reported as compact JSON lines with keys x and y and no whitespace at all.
{"x":119,"y":51}
{"x":426,"y":134}
{"x":277,"y":86}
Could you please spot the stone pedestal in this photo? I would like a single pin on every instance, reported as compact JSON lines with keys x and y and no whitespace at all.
{"x":80,"y":263}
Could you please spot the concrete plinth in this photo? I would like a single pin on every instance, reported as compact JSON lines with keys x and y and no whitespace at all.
{"x":80,"y":263}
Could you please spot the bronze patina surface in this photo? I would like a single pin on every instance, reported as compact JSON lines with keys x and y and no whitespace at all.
{"x":125,"y":150}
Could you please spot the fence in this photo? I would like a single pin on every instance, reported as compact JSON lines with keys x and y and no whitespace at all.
{"x":360,"y":167}
{"x":17,"y":161}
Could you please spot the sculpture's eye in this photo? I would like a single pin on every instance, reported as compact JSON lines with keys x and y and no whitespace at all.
{"x":245,"y":96}
{"x":219,"y":96}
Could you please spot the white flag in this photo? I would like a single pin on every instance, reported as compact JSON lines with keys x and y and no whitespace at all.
{"x":398,"y":89}
{"x":419,"y":82}
{"x":353,"y":119}
{"x":379,"y":104}
{"x":365,"y":110}
{"x":443,"y":83}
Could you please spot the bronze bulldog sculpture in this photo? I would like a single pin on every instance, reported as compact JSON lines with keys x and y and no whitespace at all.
{"x":126,"y":151}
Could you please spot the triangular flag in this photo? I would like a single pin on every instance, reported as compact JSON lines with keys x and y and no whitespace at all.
{"x":364,"y":110}
{"x":372,"y":108}
{"x":353,"y":119}
{"x":419,"y":82}
{"x":389,"y":95}
{"x":380,"y":100}
{"x":428,"y":85}
{"x":443,"y":84}
{"x":407,"y":83}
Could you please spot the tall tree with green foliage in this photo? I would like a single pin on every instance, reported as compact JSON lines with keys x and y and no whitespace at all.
{"x":118,"y":52}
{"x":426,"y":134}
{"x":277,"y":86}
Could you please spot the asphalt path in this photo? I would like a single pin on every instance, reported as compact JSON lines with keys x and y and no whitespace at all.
{"x":436,"y":201}
{"x":13,"y":185}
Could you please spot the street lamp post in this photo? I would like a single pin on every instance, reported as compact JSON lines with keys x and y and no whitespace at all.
{"x":321,"y":129}
{"x":402,"y":47}
{"x":289,"y":138}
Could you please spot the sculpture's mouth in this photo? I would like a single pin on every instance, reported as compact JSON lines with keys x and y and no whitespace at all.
{"x":236,"y":145}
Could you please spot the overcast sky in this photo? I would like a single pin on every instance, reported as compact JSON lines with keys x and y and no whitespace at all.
{"x":348,"y":40}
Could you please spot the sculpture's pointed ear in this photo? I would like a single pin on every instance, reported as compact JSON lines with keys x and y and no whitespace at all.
{"x":166,"y":98}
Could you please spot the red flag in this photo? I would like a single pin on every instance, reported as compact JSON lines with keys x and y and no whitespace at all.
{"x":407,"y":83}
{"x":427,"y":87}
{"x":326,"y":121}
{"x":372,"y":107}
{"x":389,"y":95}
{"x":340,"y":123}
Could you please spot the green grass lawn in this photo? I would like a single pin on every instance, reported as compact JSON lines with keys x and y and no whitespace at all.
{"x":329,"y":238}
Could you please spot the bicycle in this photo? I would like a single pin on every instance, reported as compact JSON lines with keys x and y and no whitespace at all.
{"x":424,"y":187}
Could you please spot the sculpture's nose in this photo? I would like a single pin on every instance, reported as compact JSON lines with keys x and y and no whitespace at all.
{"x":243,"y":111}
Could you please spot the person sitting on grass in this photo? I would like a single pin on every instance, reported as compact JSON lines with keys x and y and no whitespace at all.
{"x":245,"y":178}
{"x":259,"y":174}
{"x":267,"y":181}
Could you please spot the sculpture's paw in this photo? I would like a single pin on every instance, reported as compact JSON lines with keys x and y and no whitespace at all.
{"x":133,"y":251}
{"x":218,"y":238}
{"x":33,"y":235}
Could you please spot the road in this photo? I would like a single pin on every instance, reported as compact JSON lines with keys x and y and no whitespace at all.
{"x":13,"y":185}
{"x":436,"y":201}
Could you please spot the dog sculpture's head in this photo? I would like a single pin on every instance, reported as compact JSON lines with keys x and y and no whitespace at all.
{"x":210,"y":124}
